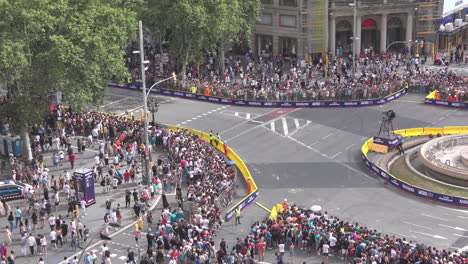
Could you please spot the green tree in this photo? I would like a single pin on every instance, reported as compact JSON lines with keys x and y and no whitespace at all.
{"x":192,"y":26}
{"x":70,"y":46}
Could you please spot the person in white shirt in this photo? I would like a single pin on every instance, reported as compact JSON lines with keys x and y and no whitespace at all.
{"x":31,"y":243}
{"x":53,"y":238}
{"x":325,"y":249}
{"x":281,"y":248}
{"x":52,"y":222}
{"x":83,"y":208}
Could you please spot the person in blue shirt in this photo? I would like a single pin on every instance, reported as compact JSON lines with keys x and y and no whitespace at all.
{"x":18,"y":213}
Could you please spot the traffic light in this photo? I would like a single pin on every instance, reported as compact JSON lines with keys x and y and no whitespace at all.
{"x":174,"y":76}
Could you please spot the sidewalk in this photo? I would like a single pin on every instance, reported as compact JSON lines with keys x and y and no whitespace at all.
{"x":94,"y":218}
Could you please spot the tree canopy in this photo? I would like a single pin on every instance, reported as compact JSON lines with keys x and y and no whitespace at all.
{"x":70,"y":46}
{"x":196,"y":25}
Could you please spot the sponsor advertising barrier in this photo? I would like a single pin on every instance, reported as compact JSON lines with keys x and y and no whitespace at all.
{"x":413,"y":190}
{"x":252,"y":196}
{"x":310,"y":104}
{"x":445,"y":103}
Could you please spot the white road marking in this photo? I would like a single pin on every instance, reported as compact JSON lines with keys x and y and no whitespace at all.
{"x":113,"y":102}
{"x":272,"y":126}
{"x":219,"y":108}
{"x":405,"y":235}
{"x":194,"y":118}
{"x":189,"y":121}
{"x":426,"y":234}
{"x":327,"y":136}
{"x":178,"y":125}
{"x":453,"y":209}
{"x":435,"y":217}
{"x":363,"y":138}
{"x":325,"y":156}
{"x":122,"y":257}
{"x":296,"y":122}
{"x":209,"y":112}
{"x":131,"y":110}
{"x":199,"y":116}
{"x":236,"y":114}
{"x":334,"y":156}
{"x":113,"y":255}
{"x":247,"y":116}
{"x":454,"y":227}
{"x":184,"y":123}
{"x":460,"y":235}
{"x":285,"y":126}
{"x":204,"y":114}
{"x":464,"y":217}
{"x":350,"y":146}
{"x":417,"y":225}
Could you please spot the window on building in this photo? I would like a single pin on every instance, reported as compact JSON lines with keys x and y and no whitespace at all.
{"x":291,"y":3}
{"x":266,"y":19}
{"x":288,"y":21}
{"x":267,"y":2}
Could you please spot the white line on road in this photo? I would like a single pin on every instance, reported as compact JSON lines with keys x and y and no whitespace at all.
{"x":454,"y":227}
{"x":327,"y":136}
{"x":236,"y":114}
{"x":435,"y":217}
{"x":204,"y":114}
{"x":122,"y":257}
{"x":272,"y":126}
{"x":113,"y":102}
{"x":209,"y":112}
{"x":184,"y":122}
{"x":464,"y":217}
{"x":426,"y":234}
{"x":408,"y":223}
{"x":363,"y":138}
{"x":334,"y":156}
{"x":296,"y":122}
{"x":247,"y":116}
{"x":413,"y":236}
{"x":285,"y":126}
{"x":199,"y":116}
{"x":460,"y":235}
{"x":350,"y":146}
{"x":194,"y":118}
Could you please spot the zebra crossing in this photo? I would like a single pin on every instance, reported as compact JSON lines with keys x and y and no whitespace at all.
{"x":285,"y":126}
{"x":243,"y":115}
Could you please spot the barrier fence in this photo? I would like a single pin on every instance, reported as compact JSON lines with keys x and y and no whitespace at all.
{"x":431,"y":99}
{"x":408,"y":188}
{"x":253,"y":103}
{"x":252,"y":188}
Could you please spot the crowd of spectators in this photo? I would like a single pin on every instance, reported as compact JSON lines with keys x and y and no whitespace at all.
{"x":276,"y":79}
{"x":297,"y":228}
{"x":191,"y":162}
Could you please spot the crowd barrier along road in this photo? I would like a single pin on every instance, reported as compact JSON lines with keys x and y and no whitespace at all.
{"x":251,"y":185}
{"x":414,"y":190}
{"x":250,"y":103}
{"x":431,"y":99}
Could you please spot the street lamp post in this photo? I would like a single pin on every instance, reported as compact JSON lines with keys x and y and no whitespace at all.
{"x":354,"y":5}
{"x":145,"y":101}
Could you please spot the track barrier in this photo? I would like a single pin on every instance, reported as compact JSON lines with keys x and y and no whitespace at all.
{"x":414,"y":190}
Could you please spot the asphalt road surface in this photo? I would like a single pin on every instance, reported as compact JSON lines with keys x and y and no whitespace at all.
{"x":312,"y":156}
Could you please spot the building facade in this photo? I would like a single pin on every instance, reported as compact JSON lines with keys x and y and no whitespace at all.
{"x":298,"y":28}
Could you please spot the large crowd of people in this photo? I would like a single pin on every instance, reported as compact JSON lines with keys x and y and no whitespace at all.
{"x":191,"y":163}
{"x":316,"y":232}
{"x":275,"y":79}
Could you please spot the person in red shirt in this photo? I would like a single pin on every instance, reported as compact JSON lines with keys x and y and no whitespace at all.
{"x":261,"y":245}
{"x":126,"y":177}
{"x":71,"y":158}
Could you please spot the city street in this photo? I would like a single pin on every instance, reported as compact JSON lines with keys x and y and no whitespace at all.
{"x":312,"y":156}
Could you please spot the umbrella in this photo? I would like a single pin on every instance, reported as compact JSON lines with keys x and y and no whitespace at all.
{"x":231,"y":162}
{"x":316,"y":208}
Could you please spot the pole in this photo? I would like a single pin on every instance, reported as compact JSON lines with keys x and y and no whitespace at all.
{"x":145,"y":105}
{"x":354,"y":37}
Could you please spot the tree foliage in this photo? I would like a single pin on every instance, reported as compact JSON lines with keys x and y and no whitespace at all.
{"x":70,"y":46}
{"x":192,"y":26}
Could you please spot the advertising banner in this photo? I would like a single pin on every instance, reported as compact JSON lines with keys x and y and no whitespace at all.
{"x":84,"y":185}
{"x":391,"y":142}
{"x":445,"y":103}
{"x":242,"y":205}
{"x":253,"y":103}
{"x":446,"y":199}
